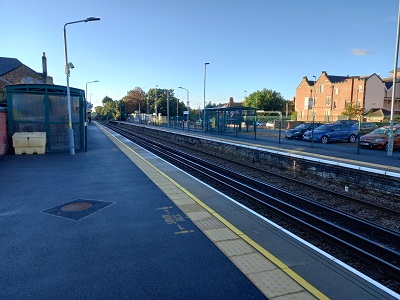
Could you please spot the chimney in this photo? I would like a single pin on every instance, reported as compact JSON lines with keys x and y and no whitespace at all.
{"x":44,"y":66}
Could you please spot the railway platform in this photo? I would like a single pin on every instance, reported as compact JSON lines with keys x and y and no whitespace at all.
{"x":116,"y":222}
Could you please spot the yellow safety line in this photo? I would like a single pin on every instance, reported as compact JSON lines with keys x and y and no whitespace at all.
{"x":300,"y":280}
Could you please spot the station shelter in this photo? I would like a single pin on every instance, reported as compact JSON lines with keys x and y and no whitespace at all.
{"x":231,"y":119}
{"x":44,"y":108}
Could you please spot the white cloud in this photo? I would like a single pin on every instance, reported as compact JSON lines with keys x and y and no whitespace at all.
{"x":361,"y":52}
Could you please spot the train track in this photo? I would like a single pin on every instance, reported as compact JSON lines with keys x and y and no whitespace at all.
{"x":380,"y":248}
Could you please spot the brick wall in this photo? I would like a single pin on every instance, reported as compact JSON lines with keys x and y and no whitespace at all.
{"x":23,"y":74}
{"x":3,"y":133}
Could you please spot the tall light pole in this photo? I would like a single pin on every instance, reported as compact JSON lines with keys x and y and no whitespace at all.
{"x":204,"y":107}
{"x":86,"y":89}
{"x":187,"y":102}
{"x":396,"y":57}
{"x":167,"y":108}
{"x":177,"y":110}
{"x":67,"y":68}
{"x":85,"y":110}
{"x":155,"y":102}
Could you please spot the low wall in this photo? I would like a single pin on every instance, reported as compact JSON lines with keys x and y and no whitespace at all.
{"x":328,"y":175}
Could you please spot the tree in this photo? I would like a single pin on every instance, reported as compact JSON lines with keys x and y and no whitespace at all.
{"x":162,"y":102}
{"x":106,"y":99}
{"x":134,"y":99}
{"x":352,"y":110}
{"x":267,"y":100}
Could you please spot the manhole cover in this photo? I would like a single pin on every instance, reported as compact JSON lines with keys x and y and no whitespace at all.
{"x":77,"y":209}
{"x":76,"y":206}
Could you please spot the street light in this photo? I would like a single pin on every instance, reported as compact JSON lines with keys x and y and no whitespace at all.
{"x":204,"y":107}
{"x":85,"y":110}
{"x":167,"y":108}
{"x":396,"y":57}
{"x":187,"y":102}
{"x":68,"y":66}
{"x":155,"y":102}
{"x":86,"y":89}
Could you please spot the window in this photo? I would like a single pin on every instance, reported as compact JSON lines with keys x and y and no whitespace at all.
{"x":358,"y":103}
{"x":307,"y":102}
{"x":334,"y":104}
{"x":315,"y":101}
{"x":327,"y":112}
{"x":327,"y":100}
{"x":360,"y":88}
{"x":336,"y":91}
{"x":346,"y":103}
{"x":321,"y":88}
{"x":302,"y":114}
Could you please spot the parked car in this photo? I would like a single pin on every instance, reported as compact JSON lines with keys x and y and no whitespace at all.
{"x":330,"y":132}
{"x":270,"y":124}
{"x":348,"y":122}
{"x":379,"y":138}
{"x":362,"y":129}
{"x":260,"y":123}
{"x":298,"y":131}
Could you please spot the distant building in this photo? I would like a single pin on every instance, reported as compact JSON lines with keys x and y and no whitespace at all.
{"x":326,"y":97}
{"x":12,"y":71}
{"x":231,"y":103}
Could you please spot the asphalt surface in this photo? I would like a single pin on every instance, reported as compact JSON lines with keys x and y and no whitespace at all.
{"x":93,"y":226}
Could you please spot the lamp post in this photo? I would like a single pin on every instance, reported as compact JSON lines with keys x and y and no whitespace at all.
{"x":155,"y":102}
{"x":177,"y":111}
{"x":187,"y":102}
{"x":204,"y":107}
{"x":86,"y":89}
{"x":167,"y":108}
{"x":396,"y":57}
{"x":86,"y":114}
{"x":67,"y":68}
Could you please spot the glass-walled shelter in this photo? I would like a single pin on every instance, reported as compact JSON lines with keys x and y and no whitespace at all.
{"x":44,"y":108}
{"x":233,"y":119}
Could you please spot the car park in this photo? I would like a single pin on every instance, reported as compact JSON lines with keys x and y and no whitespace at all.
{"x":358,"y":129}
{"x":298,"y":131}
{"x":328,"y":133}
{"x":379,"y":138}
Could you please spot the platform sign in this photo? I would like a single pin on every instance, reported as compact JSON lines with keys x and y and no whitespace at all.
{"x":185,"y":112}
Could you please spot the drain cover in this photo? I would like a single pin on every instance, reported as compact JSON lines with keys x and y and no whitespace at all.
{"x":77,"y":209}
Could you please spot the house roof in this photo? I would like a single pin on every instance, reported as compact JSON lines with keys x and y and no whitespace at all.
{"x":8,"y":64}
{"x":333,"y":78}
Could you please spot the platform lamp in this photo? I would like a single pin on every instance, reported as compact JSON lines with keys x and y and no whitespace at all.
{"x":204,"y":107}
{"x":86,"y":89}
{"x":187,"y":102}
{"x":86,"y":111}
{"x":68,"y":66}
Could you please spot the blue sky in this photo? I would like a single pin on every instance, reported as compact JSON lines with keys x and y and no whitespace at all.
{"x":250,"y":44}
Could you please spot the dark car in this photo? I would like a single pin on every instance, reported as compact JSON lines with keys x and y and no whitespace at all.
{"x":298,"y":131}
{"x":329,"y":132}
{"x":362,"y":129}
{"x":379,"y":138}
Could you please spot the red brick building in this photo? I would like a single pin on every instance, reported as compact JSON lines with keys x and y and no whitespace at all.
{"x":325,"y":98}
